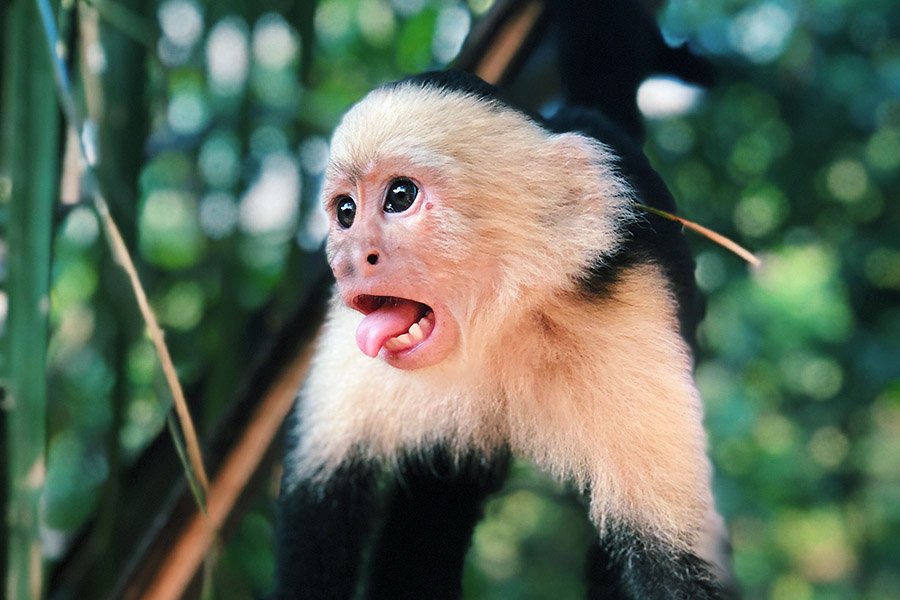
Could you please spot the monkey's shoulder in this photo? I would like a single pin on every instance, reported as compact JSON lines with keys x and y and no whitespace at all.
{"x":648,"y":239}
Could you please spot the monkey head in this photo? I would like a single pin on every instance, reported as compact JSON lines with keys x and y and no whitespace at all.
{"x":452,"y":216}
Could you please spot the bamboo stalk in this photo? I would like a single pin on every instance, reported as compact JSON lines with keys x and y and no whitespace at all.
{"x":30,"y":155}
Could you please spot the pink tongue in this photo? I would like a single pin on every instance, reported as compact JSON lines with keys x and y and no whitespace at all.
{"x":389,"y":321}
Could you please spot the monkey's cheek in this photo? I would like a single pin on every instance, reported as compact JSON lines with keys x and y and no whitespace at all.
{"x":438,"y":347}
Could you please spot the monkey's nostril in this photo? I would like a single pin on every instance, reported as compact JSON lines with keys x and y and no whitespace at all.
{"x":372,"y":259}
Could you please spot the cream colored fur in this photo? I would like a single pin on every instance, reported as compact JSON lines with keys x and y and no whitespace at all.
{"x":598,"y":391}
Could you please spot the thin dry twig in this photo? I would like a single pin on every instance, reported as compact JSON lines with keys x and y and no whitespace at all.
{"x":120,"y":252}
{"x":718,"y":238}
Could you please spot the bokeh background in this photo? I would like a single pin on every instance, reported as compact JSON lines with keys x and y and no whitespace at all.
{"x":213,"y":121}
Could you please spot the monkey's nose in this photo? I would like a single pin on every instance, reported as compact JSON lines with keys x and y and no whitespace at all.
{"x":372,"y":258}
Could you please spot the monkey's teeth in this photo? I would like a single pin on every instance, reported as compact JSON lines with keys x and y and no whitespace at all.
{"x":401,"y":342}
{"x":418,"y":331}
{"x":426,"y":324}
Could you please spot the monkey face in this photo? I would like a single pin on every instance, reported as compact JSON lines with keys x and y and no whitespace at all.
{"x":453,"y":218}
{"x":387,"y":247}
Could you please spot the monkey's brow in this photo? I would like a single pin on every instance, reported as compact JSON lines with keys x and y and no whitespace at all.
{"x":343,"y":172}
{"x":350,"y":172}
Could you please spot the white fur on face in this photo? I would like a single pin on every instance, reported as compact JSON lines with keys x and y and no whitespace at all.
{"x":596,"y":390}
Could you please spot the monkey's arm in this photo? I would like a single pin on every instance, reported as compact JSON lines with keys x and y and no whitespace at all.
{"x":626,"y":565}
{"x":661,"y":536}
{"x":430,"y":519}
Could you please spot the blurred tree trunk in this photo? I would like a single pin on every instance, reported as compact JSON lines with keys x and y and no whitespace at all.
{"x":123,"y":121}
{"x":30,"y":163}
{"x":117,"y":102}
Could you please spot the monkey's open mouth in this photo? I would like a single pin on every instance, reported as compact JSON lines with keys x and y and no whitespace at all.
{"x":395,"y":324}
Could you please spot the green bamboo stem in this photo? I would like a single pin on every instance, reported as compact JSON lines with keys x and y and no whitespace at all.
{"x":30,"y":157}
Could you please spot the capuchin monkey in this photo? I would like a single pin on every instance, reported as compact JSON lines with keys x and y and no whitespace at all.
{"x":498,"y":295}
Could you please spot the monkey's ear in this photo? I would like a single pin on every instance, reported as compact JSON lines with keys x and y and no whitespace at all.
{"x":574,"y":150}
{"x":592,"y":200}
{"x":590,"y":169}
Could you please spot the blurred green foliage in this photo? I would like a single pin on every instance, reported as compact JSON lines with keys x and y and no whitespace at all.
{"x":795,"y":153}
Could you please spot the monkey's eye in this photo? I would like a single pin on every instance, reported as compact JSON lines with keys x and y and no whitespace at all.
{"x":346,"y":211}
{"x":400,"y":195}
